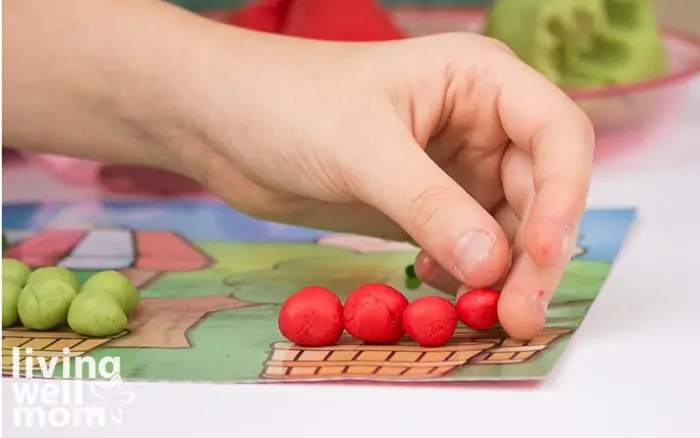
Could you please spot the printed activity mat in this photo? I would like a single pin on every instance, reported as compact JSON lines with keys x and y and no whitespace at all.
{"x":212,"y":281}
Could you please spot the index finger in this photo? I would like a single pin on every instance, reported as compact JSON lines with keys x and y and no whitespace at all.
{"x":540,"y":118}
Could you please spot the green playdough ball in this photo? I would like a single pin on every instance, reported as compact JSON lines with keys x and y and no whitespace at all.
{"x":55,"y":272}
{"x":15,"y":270}
{"x":10,"y":293}
{"x":117,"y":285}
{"x":96,"y":314}
{"x":43,"y":305}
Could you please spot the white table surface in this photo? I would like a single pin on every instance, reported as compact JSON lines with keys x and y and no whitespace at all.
{"x":632,"y":369}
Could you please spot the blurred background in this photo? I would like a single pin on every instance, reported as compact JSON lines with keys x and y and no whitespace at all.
{"x":627,"y":113}
{"x":681,"y":14}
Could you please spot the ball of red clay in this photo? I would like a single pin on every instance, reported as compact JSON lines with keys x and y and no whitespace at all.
{"x":478,"y":308}
{"x":430,"y":321}
{"x":312,"y":317}
{"x":372,"y":313}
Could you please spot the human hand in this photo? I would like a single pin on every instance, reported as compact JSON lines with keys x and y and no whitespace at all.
{"x":449,"y":141}
{"x":434,"y":139}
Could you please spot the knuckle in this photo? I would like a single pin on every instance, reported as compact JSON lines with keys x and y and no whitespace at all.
{"x":454,"y":44}
{"x":462,"y":40}
{"x":498,"y":45}
{"x":430,"y":206}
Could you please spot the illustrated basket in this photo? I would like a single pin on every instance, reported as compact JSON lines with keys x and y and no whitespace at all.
{"x":44,"y":344}
{"x":507,"y":350}
{"x":350,"y":358}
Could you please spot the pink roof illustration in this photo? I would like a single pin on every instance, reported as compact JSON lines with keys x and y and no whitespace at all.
{"x":153,"y":250}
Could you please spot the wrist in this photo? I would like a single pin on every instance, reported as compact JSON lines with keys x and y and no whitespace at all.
{"x":187,"y":90}
{"x":111,"y":80}
{"x":158,"y":83}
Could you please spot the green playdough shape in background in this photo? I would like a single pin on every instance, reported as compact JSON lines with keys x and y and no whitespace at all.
{"x":16,"y":271}
{"x":10,"y":293}
{"x":43,"y":305}
{"x":115,"y":284}
{"x":96,"y":313}
{"x":57,"y":273}
{"x":582,"y":43}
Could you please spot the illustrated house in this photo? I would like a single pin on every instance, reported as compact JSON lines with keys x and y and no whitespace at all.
{"x":142,"y":255}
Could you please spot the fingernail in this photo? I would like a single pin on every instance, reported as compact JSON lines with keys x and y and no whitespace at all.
{"x":471,"y":251}
{"x":540,"y":304}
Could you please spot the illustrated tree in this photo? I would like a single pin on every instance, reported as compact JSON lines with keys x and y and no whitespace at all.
{"x":341,"y":274}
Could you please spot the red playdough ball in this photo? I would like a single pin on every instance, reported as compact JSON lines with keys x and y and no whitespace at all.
{"x":373,"y":312}
{"x":431,"y":321}
{"x":312,"y":317}
{"x":478,"y":308}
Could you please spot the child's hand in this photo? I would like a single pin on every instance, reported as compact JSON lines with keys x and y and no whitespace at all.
{"x":449,"y":138}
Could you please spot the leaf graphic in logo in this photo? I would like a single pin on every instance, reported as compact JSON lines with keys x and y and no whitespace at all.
{"x":113,"y":396}
{"x":101,"y":389}
{"x":116,"y":414}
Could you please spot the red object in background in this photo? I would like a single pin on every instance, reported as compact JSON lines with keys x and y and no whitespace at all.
{"x":333,"y":20}
{"x":341,"y":20}
{"x":263,"y":15}
{"x":10,"y":155}
{"x":139,"y":179}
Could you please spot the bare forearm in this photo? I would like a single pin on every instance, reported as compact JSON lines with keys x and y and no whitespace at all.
{"x":104,"y":79}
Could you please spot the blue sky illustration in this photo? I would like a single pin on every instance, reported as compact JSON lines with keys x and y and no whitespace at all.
{"x":602,"y":231}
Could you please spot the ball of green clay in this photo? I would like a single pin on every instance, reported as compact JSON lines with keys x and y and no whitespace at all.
{"x":15,"y":270}
{"x":10,"y":294}
{"x":55,"y":272}
{"x":96,"y":314}
{"x":43,"y":305}
{"x":117,"y":285}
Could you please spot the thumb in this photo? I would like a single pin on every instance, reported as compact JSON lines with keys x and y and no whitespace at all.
{"x":406,"y":185}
